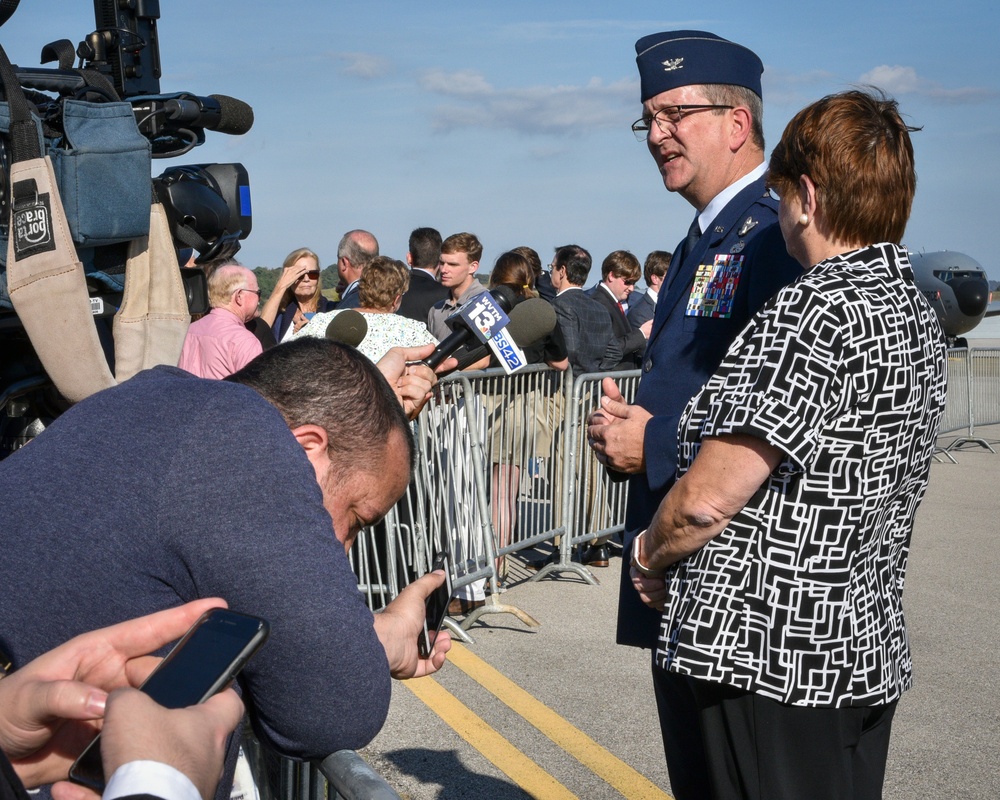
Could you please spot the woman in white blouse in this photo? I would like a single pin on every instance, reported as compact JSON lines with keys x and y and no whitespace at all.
{"x":381,"y":290}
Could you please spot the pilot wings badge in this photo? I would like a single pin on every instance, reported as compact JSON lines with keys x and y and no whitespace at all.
{"x":673,"y":63}
{"x":748,"y":226}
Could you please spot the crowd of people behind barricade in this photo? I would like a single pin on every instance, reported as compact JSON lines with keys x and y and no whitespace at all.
{"x":776,"y":451}
{"x":599,"y":327}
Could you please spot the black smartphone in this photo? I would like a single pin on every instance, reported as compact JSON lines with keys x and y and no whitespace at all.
{"x":202,"y":663}
{"x":436,"y":606}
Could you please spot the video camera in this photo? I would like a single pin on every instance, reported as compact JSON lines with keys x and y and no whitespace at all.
{"x":207,"y":206}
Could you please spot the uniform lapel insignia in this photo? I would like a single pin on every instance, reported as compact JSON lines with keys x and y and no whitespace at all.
{"x":748,"y":226}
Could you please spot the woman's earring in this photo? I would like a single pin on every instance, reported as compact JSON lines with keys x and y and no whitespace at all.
{"x":803,"y":219}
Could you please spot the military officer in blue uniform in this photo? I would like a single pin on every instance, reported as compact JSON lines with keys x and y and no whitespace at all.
{"x":701,"y":121}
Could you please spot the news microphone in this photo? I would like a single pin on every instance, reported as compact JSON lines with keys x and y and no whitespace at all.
{"x":347,"y":327}
{"x":530,"y":321}
{"x":217,"y":112}
{"x":503,"y":296}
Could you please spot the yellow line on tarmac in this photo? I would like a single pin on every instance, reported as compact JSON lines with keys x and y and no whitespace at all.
{"x":507,"y":758}
{"x":609,"y":767}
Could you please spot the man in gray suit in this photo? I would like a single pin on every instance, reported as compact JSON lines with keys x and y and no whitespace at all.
{"x":592,"y":347}
{"x":585,"y":323}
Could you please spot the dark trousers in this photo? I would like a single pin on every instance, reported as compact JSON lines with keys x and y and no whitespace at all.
{"x":759,"y":749}
{"x":681,"y":731}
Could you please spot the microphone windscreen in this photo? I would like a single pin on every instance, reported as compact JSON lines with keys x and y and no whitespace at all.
{"x":531,"y":320}
{"x":347,"y":327}
{"x":235,"y":116}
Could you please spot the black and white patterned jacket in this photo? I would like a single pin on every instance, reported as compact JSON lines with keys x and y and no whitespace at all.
{"x":800,"y":598}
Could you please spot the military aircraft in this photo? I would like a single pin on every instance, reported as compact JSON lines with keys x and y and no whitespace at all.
{"x":957,"y":287}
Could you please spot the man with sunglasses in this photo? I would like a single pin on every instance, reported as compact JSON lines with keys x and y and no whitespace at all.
{"x":619,"y":273}
{"x":701,"y":120}
{"x":220,"y":343}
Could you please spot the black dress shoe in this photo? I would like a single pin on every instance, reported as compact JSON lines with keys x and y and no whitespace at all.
{"x":551,"y":558}
{"x":596,"y":556}
{"x":462,"y":605}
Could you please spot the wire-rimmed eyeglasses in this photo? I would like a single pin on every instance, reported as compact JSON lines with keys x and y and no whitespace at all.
{"x":667,"y":119}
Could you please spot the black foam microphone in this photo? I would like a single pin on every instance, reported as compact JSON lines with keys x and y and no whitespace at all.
{"x":347,"y":327}
{"x":530,"y":321}
{"x":461,"y":333}
{"x":217,"y":112}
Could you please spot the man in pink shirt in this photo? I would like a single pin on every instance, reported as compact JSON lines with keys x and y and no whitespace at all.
{"x":219,"y":343}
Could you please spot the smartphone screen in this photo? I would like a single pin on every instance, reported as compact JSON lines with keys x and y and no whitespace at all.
{"x":436,"y":606}
{"x":202,"y":663}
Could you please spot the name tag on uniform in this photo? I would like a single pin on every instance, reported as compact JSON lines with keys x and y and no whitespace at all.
{"x":714,"y":287}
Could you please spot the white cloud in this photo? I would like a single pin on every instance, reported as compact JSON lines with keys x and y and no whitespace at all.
{"x":463,"y":83}
{"x":475,"y":102}
{"x":895,"y":80}
{"x":364,"y":65}
{"x":899,"y":80}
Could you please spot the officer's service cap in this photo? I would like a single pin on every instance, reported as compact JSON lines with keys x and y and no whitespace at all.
{"x":683,"y":58}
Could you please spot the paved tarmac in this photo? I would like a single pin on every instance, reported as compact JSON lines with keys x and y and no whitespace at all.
{"x":560,"y":711}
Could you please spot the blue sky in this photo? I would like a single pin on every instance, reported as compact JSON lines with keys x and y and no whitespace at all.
{"x":511,"y":120}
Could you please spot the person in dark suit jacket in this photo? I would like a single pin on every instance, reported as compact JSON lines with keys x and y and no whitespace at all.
{"x":585,"y":323}
{"x":702,"y":125}
{"x":425,"y":289}
{"x":184,"y":743}
{"x":356,"y":250}
{"x":619,"y":273}
{"x":641,"y":309}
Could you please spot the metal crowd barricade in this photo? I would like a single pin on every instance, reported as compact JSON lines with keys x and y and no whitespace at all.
{"x":593,"y":503}
{"x":984,"y":389}
{"x":457,"y":484}
{"x":959,"y":410}
{"x":445,"y":509}
{"x":521,"y":431}
{"x":343,"y":775}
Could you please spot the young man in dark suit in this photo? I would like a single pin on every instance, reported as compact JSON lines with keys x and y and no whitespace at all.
{"x":585,"y":323}
{"x":619,"y":273}
{"x":425,"y":288}
{"x":641,"y":309}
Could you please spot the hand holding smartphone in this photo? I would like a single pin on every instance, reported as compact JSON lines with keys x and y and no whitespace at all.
{"x":436,"y":606}
{"x":202,"y":663}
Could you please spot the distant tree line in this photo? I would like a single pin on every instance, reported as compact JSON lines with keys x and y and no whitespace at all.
{"x":267,"y":278}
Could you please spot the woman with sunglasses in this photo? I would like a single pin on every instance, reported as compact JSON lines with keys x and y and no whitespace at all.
{"x":297,"y":296}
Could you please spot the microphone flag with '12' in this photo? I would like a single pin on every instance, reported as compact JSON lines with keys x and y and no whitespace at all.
{"x":481,"y":318}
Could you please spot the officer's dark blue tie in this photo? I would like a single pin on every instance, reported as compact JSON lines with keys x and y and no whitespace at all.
{"x":694,"y":234}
